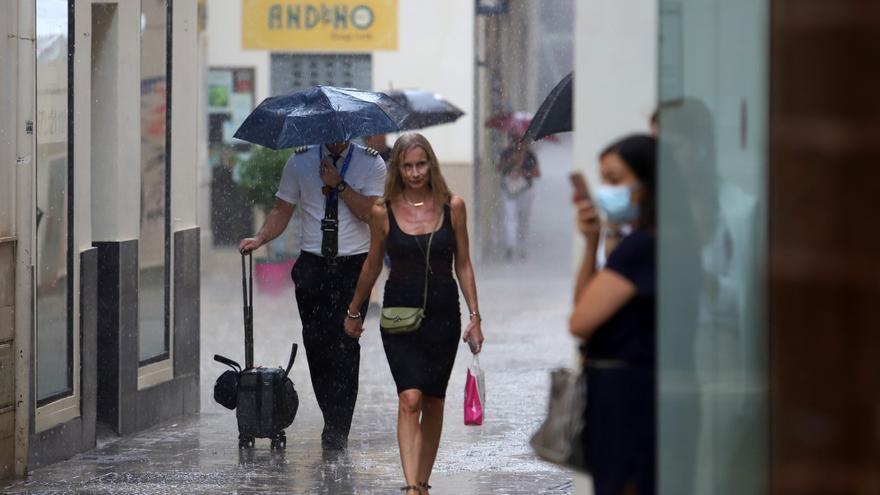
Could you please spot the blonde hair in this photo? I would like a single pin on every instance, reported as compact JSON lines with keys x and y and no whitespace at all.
{"x":394,"y":181}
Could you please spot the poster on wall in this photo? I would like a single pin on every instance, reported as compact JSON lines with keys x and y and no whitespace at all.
{"x":310,"y":26}
{"x":230,"y":101}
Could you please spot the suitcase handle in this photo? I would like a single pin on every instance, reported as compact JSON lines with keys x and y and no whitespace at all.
{"x":247,"y":287}
{"x":228,"y":362}
{"x":292,"y":358}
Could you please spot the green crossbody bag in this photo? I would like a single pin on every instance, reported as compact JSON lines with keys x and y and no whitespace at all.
{"x":404,"y":319}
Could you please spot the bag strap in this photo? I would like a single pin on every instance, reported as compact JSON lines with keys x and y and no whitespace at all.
{"x":427,"y":268}
{"x":228,"y":362}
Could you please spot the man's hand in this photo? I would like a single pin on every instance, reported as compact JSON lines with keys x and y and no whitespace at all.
{"x":249,"y":244}
{"x":354,"y":327}
{"x":329,"y":174}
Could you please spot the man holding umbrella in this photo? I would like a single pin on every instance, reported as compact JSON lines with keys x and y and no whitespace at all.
{"x":325,"y":280}
{"x":335,"y":185}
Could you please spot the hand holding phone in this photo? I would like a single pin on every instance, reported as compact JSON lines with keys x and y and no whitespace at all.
{"x":579,"y":183}
{"x":587,"y":217}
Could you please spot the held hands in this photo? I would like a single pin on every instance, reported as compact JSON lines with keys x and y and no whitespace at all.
{"x":329,"y":174}
{"x":473,"y":335}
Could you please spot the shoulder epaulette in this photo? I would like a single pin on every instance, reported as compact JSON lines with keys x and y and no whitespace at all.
{"x":300,"y":149}
{"x":371,"y":151}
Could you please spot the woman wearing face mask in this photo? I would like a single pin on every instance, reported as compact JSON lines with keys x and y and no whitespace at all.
{"x":420,"y":219}
{"x":609,"y":198}
{"x":614,"y":314}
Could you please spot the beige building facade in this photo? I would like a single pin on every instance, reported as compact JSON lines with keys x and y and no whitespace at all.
{"x":98,"y":222}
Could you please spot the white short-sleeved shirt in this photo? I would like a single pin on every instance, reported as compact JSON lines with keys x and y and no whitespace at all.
{"x":301,"y":186}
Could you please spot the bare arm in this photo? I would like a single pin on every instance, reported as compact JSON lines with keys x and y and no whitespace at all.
{"x":464,"y":270}
{"x":603,"y":296}
{"x":370,"y":270}
{"x":276,"y":222}
{"x":359,"y":204}
{"x":590,"y":226}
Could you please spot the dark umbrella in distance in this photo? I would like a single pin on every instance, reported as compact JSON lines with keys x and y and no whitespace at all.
{"x":426,"y":109}
{"x":554,"y":115}
{"x":320,"y":115}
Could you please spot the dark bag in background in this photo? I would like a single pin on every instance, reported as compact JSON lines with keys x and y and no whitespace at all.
{"x":559,"y":439}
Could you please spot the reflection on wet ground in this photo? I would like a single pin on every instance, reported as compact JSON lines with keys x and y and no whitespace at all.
{"x":525,"y":305}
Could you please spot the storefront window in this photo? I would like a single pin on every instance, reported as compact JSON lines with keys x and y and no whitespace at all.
{"x":153,"y":246}
{"x":713,"y":397}
{"x":53,"y":193}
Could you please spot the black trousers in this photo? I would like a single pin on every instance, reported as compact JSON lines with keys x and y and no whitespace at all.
{"x":323,"y":292}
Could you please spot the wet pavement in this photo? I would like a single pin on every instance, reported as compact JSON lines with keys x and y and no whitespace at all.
{"x":525,"y":304}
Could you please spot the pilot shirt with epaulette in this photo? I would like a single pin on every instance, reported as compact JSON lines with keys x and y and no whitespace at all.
{"x":301,"y":186}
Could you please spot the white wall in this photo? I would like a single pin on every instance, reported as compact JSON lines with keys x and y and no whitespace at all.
{"x":435,"y":52}
{"x":224,"y":44}
{"x":185,"y":119}
{"x":615,"y":74}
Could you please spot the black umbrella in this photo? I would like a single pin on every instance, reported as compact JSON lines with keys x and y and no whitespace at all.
{"x":426,"y":108}
{"x":320,"y":115}
{"x":555,"y":112}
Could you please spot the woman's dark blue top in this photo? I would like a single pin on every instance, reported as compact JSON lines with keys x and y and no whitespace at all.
{"x":630,"y":335}
{"x":620,"y":438}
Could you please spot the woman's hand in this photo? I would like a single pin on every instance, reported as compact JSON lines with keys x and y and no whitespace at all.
{"x":474,"y":332}
{"x":588,"y":221}
{"x":354,"y":327}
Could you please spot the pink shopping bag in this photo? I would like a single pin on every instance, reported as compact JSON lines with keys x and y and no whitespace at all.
{"x":474,"y":394}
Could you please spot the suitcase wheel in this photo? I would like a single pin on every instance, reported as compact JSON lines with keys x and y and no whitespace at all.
{"x":279,"y":442}
{"x":245,"y":442}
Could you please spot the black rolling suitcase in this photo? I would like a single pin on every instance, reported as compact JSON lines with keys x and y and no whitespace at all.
{"x":264,"y":398}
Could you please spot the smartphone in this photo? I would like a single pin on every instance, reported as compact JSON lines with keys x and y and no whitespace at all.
{"x":581,"y":191}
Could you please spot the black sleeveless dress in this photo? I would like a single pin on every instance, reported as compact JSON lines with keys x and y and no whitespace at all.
{"x":423,"y":359}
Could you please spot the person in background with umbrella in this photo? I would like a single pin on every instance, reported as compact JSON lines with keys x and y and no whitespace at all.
{"x":325,"y":280}
{"x":519,"y":168}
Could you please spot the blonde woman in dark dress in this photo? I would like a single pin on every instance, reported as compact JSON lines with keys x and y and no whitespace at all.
{"x":418,"y":203}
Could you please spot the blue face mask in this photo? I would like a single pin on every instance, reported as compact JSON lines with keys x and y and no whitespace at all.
{"x":616,"y":202}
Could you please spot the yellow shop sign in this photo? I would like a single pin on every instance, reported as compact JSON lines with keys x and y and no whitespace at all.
{"x":308,"y":26}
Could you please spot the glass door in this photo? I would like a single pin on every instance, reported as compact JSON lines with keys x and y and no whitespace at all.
{"x":713,"y":338}
{"x":54,"y":240}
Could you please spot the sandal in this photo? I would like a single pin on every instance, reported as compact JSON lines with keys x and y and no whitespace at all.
{"x":424,"y":485}
{"x":407,"y":488}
